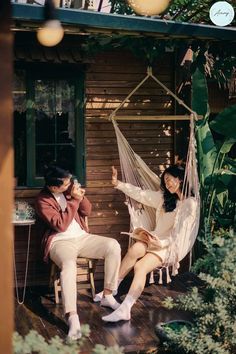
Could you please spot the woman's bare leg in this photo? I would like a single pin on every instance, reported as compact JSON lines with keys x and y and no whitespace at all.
{"x":144,"y":266}
{"x":136,"y":251}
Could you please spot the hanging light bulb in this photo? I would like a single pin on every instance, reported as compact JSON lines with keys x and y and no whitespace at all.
{"x":148,"y":7}
{"x":51,"y":33}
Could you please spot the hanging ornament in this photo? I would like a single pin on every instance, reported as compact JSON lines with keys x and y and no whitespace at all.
{"x":148,"y":7}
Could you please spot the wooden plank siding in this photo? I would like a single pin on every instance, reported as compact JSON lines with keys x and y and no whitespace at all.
{"x":108,"y":81}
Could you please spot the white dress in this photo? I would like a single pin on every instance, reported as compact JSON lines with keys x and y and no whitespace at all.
{"x":172,"y":229}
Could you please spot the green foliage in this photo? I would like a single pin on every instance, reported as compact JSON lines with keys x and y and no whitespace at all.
{"x":217,"y":170}
{"x":199,"y":92}
{"x":217,"y":58}
{"x":196,"y":11}
{"x":190,"y":11}
{"x":146,"y":49}
{"x":214,"y":307}
{"x":225,"y":123}
{"x":35,"y":343}
{"x":120,"y":7}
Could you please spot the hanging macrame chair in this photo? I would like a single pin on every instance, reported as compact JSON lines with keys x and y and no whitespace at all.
{"x":135,"y":171}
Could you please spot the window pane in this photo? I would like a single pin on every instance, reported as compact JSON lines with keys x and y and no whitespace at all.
{"x":65,"y":126}
{"x":19,"y":101}
{"x":65,"y":90}
{"x":45,"y":96}
{"x":53,"y":102}
{"x":19,"y":91}
{"x":47,"y":154}
{"x":45,"y":126}
{"x":66,"y":157}
{"x":20,"y":147}
{"x":55,"y":124}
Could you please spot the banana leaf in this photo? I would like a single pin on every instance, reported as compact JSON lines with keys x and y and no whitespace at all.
{"x":199,"y":93}
{"x":207,"y":153}
{"x":227,"y":145}
{"x":225,"y":122}
{"x":222,"y":196}
{"x":228,"y":178}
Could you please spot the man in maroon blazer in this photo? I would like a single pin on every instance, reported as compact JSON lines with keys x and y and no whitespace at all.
{"x":62,"y":207}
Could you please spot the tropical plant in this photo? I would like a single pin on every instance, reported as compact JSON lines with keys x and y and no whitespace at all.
{"x":217,"y":169}
{"x":214,"y":307}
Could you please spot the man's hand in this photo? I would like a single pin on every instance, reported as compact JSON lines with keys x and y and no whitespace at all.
{"x":114,"y":180}
{"x":77,"y":192}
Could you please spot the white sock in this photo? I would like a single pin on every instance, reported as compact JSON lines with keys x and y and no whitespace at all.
{"x":123,"y":312}
{"x":74,"y":327}
{"x":110,"y":301}
{"x":98,"y":297}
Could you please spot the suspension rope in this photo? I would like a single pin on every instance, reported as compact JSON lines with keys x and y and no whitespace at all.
{"x":168,"y":91}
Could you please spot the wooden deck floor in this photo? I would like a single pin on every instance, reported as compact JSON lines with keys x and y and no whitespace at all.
{"x":136,"y":336}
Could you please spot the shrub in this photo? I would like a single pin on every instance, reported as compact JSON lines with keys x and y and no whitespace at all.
{"x":33,"y":342}
{"x":214,"y":307}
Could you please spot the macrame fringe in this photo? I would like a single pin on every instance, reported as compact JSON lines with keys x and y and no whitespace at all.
{"x":160,"y":277}
{"x":151,"y":280}
{"x":168,"y":278}
{"x":160,"y":270}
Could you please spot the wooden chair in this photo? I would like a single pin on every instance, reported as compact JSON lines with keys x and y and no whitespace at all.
{"x":82,"y":263}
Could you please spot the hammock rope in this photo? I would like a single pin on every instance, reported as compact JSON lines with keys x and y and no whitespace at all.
{"x":135,"y":171}
{"x":168,"y":91}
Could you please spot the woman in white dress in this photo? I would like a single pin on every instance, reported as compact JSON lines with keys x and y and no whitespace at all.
{"x":152,"y":246}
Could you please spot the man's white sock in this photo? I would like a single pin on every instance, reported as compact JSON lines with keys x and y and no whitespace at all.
{"x":123,"y":312}
{"x":98,"y":297}
{"x":110,"y":301}
{"x":74,"y":327}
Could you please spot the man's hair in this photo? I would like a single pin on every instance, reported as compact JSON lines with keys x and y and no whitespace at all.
{"x":54,"y":176}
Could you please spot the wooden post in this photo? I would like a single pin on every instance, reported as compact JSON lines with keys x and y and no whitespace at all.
{"x":6,"y":180}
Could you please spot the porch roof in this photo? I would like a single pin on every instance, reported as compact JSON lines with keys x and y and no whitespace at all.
{"x":27,"y":17}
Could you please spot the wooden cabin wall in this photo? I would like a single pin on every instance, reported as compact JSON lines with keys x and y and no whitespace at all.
{"x":108,"y":81}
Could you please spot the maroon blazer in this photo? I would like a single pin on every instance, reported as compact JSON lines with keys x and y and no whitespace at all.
{"x":54,"y":220}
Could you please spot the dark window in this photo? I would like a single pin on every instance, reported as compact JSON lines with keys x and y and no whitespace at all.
{"x":48,"y":125}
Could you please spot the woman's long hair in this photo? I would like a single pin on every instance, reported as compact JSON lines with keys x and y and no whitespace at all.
{"x":170,"y":200}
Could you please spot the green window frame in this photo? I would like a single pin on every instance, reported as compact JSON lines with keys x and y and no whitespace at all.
{"x":74,"y":76}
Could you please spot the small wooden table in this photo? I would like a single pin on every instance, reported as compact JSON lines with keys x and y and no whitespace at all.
{"x":28,"y":223}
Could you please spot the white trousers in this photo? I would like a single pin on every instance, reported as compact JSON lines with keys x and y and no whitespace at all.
{"x":65,"y":253}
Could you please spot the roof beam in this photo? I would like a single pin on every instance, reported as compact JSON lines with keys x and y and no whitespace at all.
{"x":99,"y":22}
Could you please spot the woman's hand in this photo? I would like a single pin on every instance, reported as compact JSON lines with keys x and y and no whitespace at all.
{"x":114,"y":179}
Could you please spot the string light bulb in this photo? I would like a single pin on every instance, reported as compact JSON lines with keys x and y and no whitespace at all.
{"x":51,"y":33}
{"x":148,"y":7}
